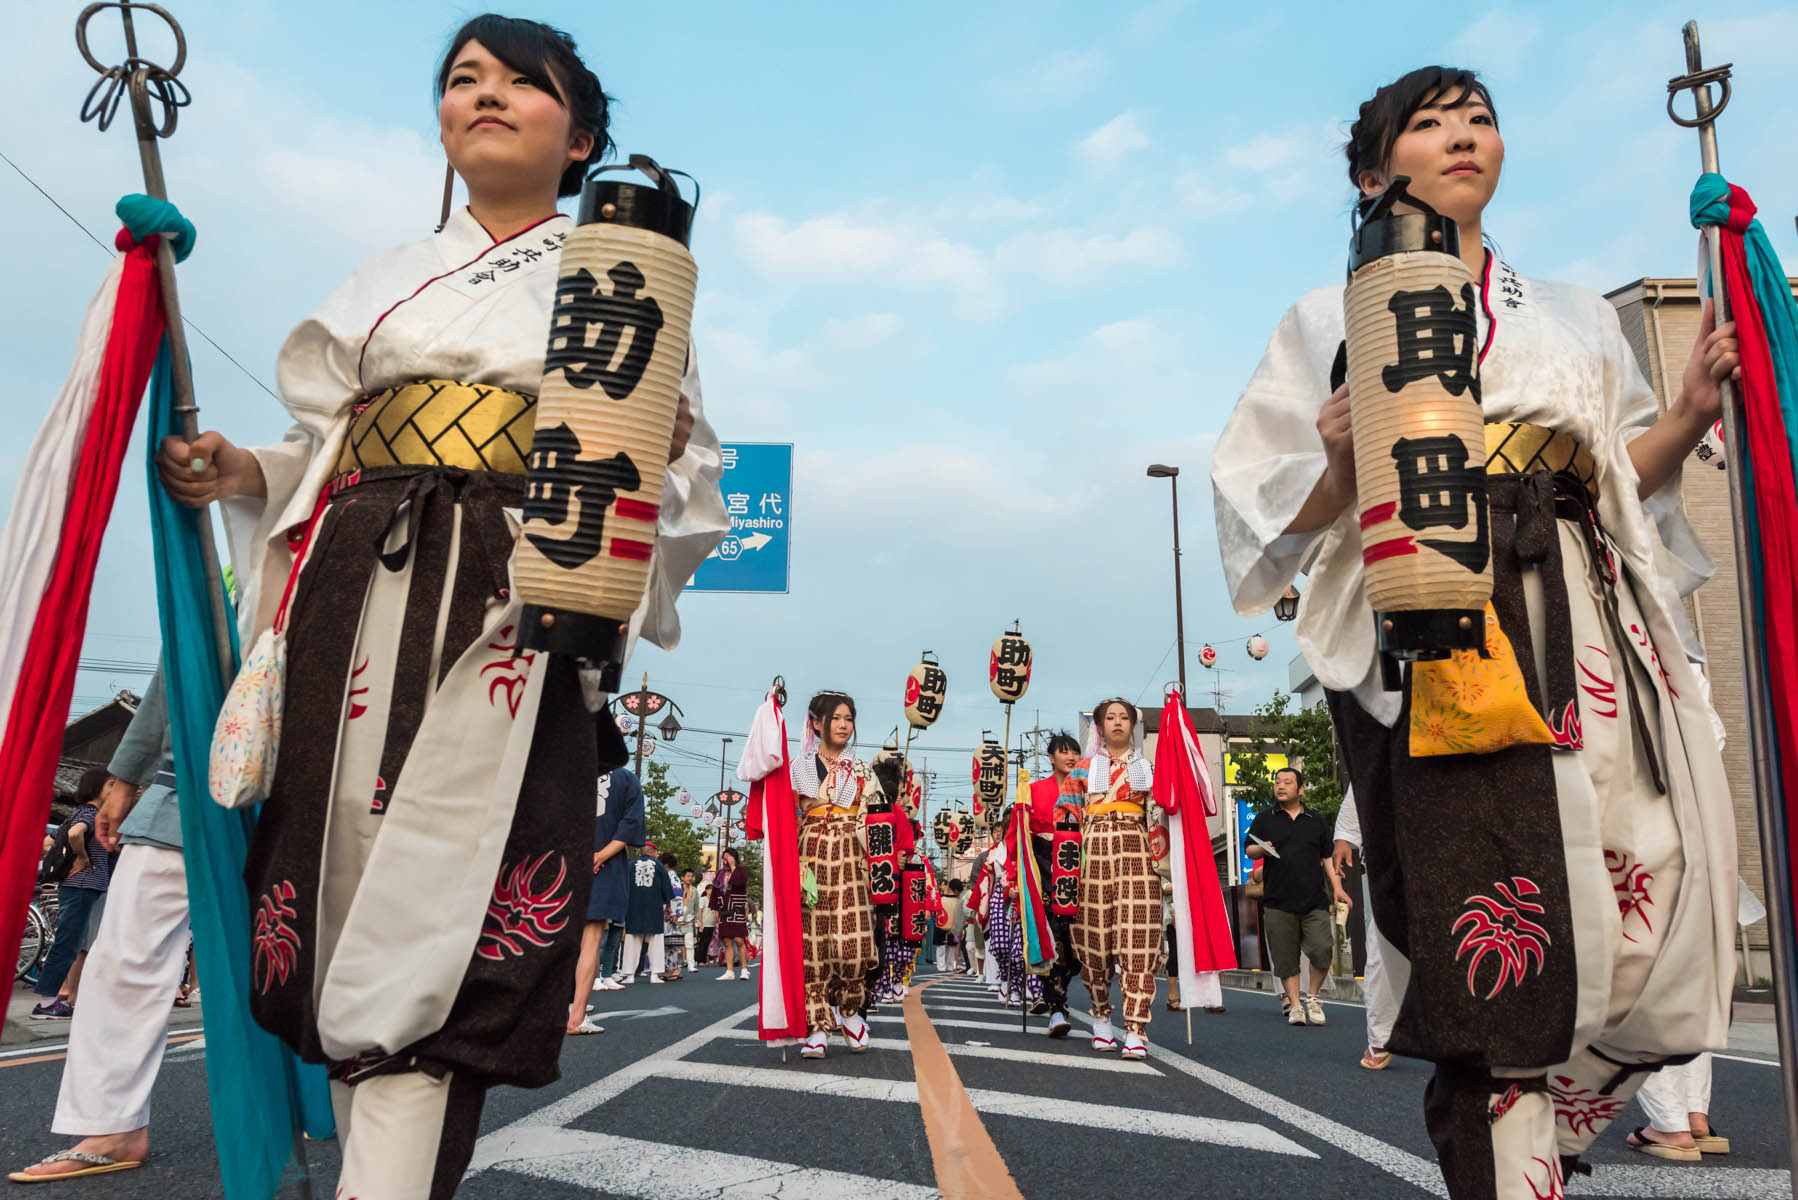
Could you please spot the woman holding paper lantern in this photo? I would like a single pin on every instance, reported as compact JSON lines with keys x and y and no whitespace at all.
{"x":422,"y":860}
{"x":1549,"y":823}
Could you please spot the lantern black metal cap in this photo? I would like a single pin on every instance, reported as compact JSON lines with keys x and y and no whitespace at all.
{"x":660,"y":208}
{"x":1429,"y":634}
{"x":599,"y":640}
{"x":1379,"y":231}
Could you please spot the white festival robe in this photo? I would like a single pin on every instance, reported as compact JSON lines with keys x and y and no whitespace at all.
{"x":457,"y":305}
{"x":1555,"y":356}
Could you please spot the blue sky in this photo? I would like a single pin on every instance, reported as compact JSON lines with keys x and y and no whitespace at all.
{"x":981,"y":264}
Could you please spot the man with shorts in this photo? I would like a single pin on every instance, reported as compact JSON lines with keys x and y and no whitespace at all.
{"x":1295,"y":848}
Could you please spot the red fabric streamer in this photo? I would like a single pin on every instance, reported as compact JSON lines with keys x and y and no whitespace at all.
{"x":1180,"y":790}
{"x":1776,"y":502}
{"x":771,"y":814}
{"x":34,"y":728}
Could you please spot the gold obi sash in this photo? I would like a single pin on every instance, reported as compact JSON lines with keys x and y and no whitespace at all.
{"x":1519,"y":448}
{"x":1115,"y":806}
{"x":829,"y":811}
{"x":442,"y":423}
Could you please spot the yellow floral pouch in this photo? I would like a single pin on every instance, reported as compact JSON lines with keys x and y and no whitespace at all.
{"x":1466,"y":704}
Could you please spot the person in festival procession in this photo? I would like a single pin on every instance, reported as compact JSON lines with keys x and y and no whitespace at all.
{"x":647,"y":912}
{"x":1299,"y":878}
{"x":730,"y":900}
{"x":420,"y":864}
{"x":830,"y":787}
{"x":1376,"y":987}
{"x":1563,"y":902}
{"x":894,"y":956}
{"x":687,"y":917}
{"x":1119,"y":924}
{"x":117,"y":1038}
{"x":1055,"y":800}
{"x":1005,"y":934}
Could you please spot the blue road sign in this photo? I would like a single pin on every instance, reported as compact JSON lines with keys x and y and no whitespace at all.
{"x":758,"y":493}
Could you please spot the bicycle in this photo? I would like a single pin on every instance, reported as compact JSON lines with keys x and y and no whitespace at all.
{"x":40,"y":932}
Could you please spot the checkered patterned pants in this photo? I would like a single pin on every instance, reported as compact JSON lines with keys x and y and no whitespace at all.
{"x":1120,"y":917}
{"x":838,"y":930}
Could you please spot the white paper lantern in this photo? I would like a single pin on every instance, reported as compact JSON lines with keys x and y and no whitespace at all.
{"x":1208,"y":657}
{"x":1257,"y":647}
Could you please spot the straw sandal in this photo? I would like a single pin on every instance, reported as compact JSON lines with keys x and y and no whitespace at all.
{"x":97,"y":1164}
{"x":1711,"y":1143}
{"x":1376,"y":1062}
{"x":1638,"y":1140}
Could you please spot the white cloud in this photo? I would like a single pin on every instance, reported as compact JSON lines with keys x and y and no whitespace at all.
{"x":1061,"y":77}
{"x":840,"y":247}
{"x":1072,"y":258}
{"x":1497,"y":44}
{"x":1106,"y":148}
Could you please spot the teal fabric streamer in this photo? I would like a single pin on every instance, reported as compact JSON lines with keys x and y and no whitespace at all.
{"x":255,"y":1082}
{"x":145,"y":215}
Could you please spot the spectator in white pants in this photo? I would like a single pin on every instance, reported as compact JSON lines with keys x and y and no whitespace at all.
{"x":119,"y":1032}
{"x":647,"y":913}
{"x":1376,"y":989}
{"x":687,"y":918}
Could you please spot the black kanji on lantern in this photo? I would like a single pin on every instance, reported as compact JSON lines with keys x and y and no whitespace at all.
{"x":1067,"y":855}
{"x":882,"y":879}
{"x":881,"y":841}
{"x":583,"y":310}
{"x":1067,"y":890}
{"x":930,"y":692}
{"x":1434,"y":338}
{"x":559,"y":476}
{"x":1438,"y":490}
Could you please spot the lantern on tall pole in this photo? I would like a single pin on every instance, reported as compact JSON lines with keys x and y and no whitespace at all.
{"x":989,"y":781}
{"x":1008,"y":674}
{"x":1411,"y":312}
{"x":618,"y":347}
{"x":925,"y":687}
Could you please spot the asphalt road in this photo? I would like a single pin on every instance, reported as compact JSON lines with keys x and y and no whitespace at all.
{"x":678,"y":1099}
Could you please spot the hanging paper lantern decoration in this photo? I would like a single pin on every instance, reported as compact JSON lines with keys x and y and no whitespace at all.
{"x":941,"y":827}
{"x":626,"y":723}
{"x":1411,"y":311}
{"x":964,"y":830}
{"x":914,"y":911}
{"x":618,"y":345}
{"x":1257,"y":647}
{"x":1207,"y":657}
{"x":925,"y":689}
{"x":698,"y":811}
{"x":1158,"y":843}
{"x":646,"y":744}
{"x":1008,"y":669}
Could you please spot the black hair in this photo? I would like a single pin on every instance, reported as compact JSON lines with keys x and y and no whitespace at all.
{"x":1295,"y":773}
{"x":667,"y":859}
{"x":93,"y":782}
{"x":1063,"y":740}
{"x":1100,"y":708}
{"x":736,"y":860}
{"x":824,"y":706}
{"x":1383,"y":118}
{"x":546,"y":56}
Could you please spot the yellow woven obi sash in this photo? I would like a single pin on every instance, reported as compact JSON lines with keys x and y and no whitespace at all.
{"x":1115,"y":806}
{"x":1474,"y":704}
{"x":442,"y":423}
{"x":1519,"y":448}
{"x":827,"y":811}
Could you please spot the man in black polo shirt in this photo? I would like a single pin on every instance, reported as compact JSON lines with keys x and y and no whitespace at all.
{"x":1299,"y":878}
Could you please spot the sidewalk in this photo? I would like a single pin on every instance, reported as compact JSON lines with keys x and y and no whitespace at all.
{"x":21,"y":1030}
{"x":1751,"y":1031}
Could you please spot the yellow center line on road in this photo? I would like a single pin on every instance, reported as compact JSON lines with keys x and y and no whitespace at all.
{"x":967,"y":1164}
{"x":62,"y":1054}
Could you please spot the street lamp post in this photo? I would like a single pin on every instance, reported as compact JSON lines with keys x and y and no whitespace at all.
{"x":724,"y":821}
{"x":640,"y":704}
{"x":1172,"y":475}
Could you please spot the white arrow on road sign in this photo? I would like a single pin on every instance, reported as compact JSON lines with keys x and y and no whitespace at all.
{"x":733,"y":547}
{"x":756,"y":541}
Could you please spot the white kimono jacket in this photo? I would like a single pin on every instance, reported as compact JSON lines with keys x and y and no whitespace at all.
{"x":461,"y":306}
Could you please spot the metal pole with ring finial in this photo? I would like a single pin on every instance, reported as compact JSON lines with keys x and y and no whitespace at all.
{"x":157,"y":98}
{"x":1768,"y":805}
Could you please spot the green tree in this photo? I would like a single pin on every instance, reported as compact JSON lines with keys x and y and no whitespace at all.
{"x":1308,"y":739}
{"x":671,"y":830}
